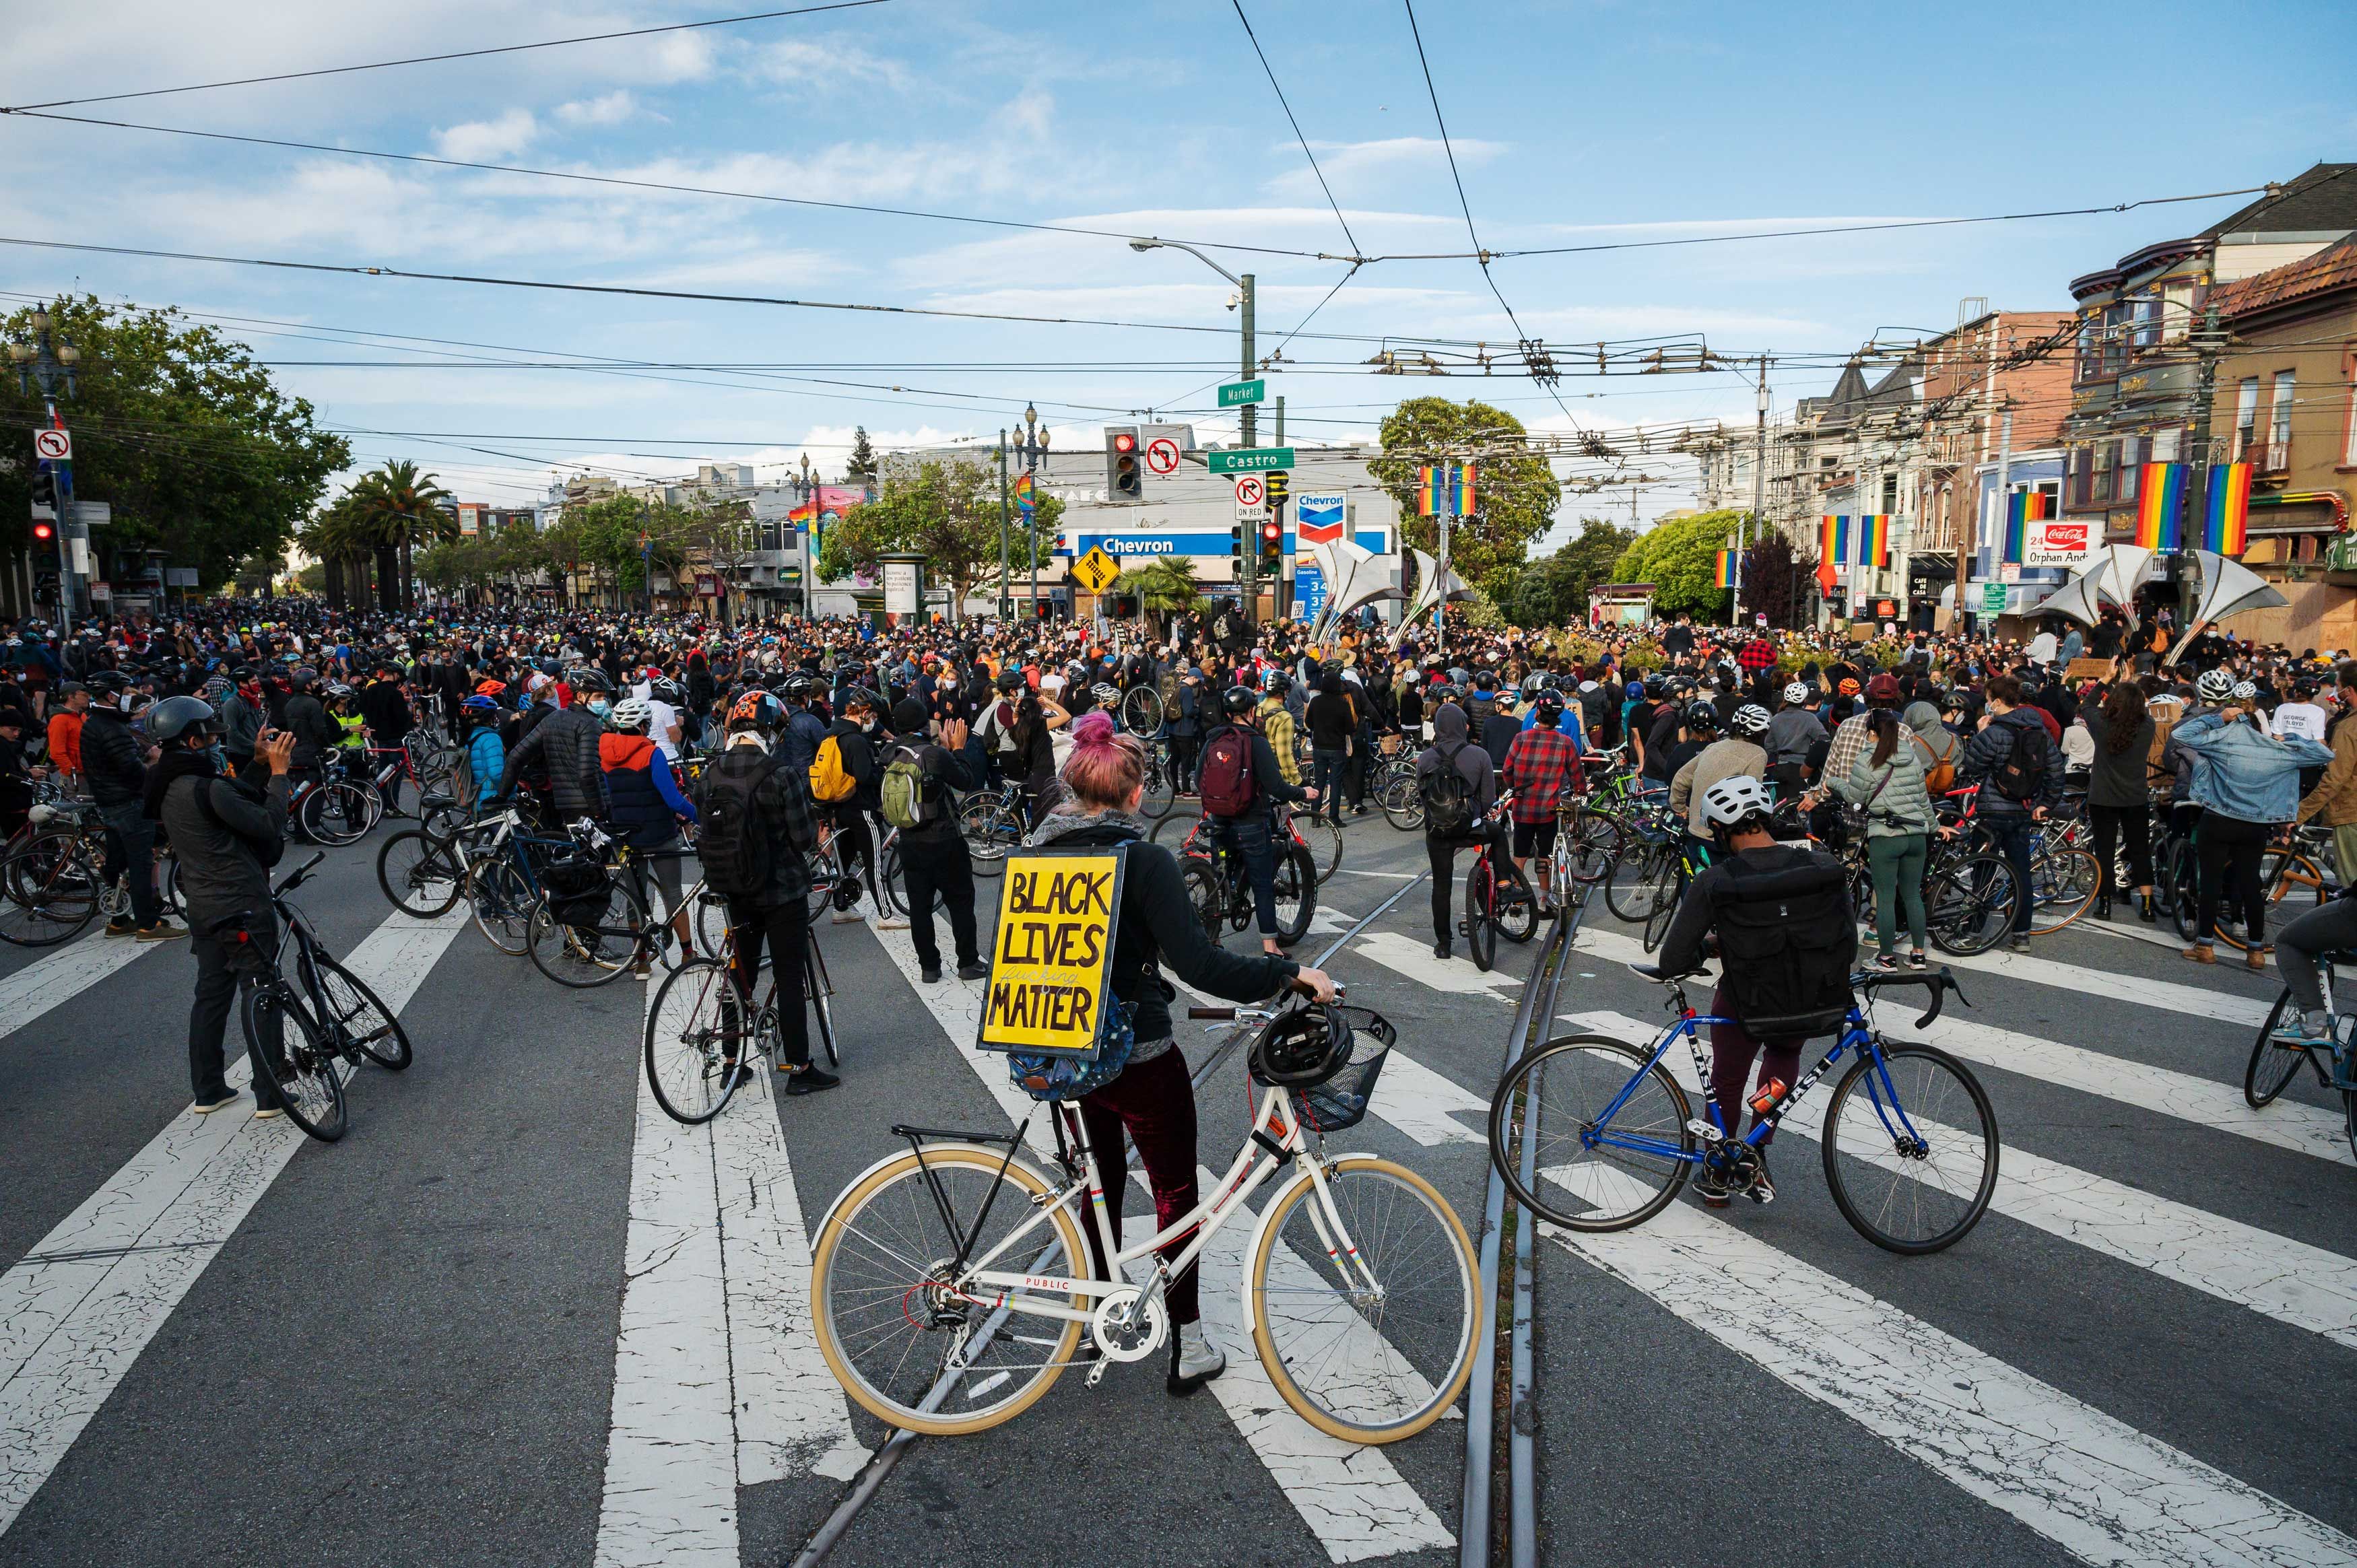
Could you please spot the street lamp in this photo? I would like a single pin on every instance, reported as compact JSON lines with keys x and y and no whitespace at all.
{"x":47,"y":360}
{"x":1247,"y":590}
{"x":810,"y":535}
{"x":1030,"y":444}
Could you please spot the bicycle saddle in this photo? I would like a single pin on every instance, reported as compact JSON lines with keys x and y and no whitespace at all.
{"x":1660,"y":976}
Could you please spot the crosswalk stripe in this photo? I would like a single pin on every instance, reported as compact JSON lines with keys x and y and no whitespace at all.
{"x":2084,"y":980}
{"x":76,"y":1312}
{"x":1414,"y":958}
{"x":2289,"y":1281}
{"x":2092,"y":1483}
{"x":2286,"y":1124}
{"x":1351,"y":1498}
{"x":57,"y":978}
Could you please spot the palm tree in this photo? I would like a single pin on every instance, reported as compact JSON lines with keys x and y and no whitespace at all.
{"x":1165,"y":587}
{"x":400,"y":508}
{"x":338,"y":536}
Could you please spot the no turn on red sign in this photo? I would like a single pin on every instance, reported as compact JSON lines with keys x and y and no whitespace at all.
{"x":1252,"y":491}
{"x":1162,"y":455}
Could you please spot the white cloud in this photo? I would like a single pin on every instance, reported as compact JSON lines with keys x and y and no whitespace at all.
{"x":798,"y":62}
{"x":1356,"y":164}
{"x":478,"y":139}
{"x":608,"y":109}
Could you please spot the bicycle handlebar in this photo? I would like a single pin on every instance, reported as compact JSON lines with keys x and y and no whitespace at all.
{"x":294,"y":878}
{"x":1940,"y":981}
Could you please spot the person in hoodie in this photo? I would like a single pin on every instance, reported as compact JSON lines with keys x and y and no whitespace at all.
{"x":933,"y":857}
{"x":2246,"y":782}
{"x":1452,"y":747}
{"x":643,"y":803}
{"x":2016,"y":734}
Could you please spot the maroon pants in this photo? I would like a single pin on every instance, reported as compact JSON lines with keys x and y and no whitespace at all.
{"x":1156,"y":1104}
{"x":1731,"y":1050}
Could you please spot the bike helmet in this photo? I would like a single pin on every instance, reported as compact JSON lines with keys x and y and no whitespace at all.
{"x":1304,"y":1047}
{"x":801,"y":688}
{"x":1796,"y":693}
{"x":107,"y":683}
{"x":487,"y":688}
{"x":301,"y":677}
{"x":1751,"y":721}
{"x":2214,"y":686}
{"x":1106,"y":694}
{"x":756,"y":709}
{"x":587,"y":681}
{"x":1547,"y":707}
{"x":338,"y":691}
{"x":1238,"y":701}
{"x":1010,"y":682}
{"x":480,"y":703}
{"x":1731,"y":802}
{"x":1277,"y":683}
{"x":2246,"y":689}
{"x":664,"y":690}
{"x":173,"y":717}
{"x":631,"y":712}
{"x":1700,"y":716}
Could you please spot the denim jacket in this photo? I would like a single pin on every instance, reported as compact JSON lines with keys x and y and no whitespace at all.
{"x":2242,"y":772}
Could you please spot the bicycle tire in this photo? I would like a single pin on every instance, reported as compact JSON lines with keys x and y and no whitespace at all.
{"x":711,"y":925}
{"x":1968,"y":907}
{"x":1481,"y":913}
{"x":418,"y":873}
{"x":827,"y":877}
{"x":695,"y":1016}
{"x":1927,"y":1116}
{"x":2272,"y":1066}
{"x":2067,"y":881}
{"x":1296,"y":895}
{"x":843,"y":1251}
{"x":2282,"y":873}
{"x":50,"y":891}
{"x":335,"y":814}
{"x":583,"y":958}
{"x":360,"y":1016}
{"x":1207,"y":895}
{"x":1667,"y":893}
{"x":896,"y":885}
{"x":502,"y":902}
{"x":1172,"y":832}
{"x":1596,"y":841}
{"x":1596,"y":1067}
{"x":818,"y":990}
{"x":307,"y":1074}
{"x":1402,"y":806}
{"x":990,"y":831}
{"x":1517,"y":913}
{"x":1141,"y":712}
{"x":1160,"y":792}
{"x":1324,"y":840}
{"x":1629,"y":886}
{"x":2185,"y":883}
{"x":1304,"y":1272}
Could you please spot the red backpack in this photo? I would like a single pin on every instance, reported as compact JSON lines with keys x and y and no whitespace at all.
{"x":1226,"y":787}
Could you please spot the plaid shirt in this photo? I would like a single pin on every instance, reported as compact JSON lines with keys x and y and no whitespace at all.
{"x":1536,"y":766}
{"x":1755,"y":656}
{"x":1276,"y":723}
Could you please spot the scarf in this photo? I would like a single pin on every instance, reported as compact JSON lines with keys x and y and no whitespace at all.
{"x":177,"y":762}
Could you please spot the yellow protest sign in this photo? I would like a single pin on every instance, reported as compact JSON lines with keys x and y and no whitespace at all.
{"x":1051,"y":960}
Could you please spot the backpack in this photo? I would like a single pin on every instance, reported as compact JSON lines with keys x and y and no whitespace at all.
{"x":1448,"y":798}
{"x":2020,"y":777}
{"x":1789,"y":939}
{"x":905,"y":804}
{"x":731,"y":844}
{"x":1170,"y":711}
{"x":829,"y":779}
{"x":1939,"y":772}
{"x":1226,"y":788}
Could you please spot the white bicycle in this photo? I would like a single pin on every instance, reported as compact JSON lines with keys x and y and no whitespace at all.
{"x":952,"y":1282}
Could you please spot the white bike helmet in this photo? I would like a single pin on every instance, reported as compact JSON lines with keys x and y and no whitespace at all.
{"x":1750,"y":719}
{"x":1796,"y":693}
{"x":1730,"y":802}
{"x":2246,"y":689}
{"x":1106,"y":694}
{"x":2214,"y":686}
{"x":631,"y":712}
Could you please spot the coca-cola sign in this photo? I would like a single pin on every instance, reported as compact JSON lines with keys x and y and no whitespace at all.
{"x":2058,"y":541}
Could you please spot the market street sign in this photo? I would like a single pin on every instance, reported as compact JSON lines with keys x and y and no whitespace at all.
{"x":1234,"y":394}
{"x":1250,"y":460}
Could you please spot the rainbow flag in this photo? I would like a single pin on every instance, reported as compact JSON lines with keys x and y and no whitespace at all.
{"x":1726,"y":578}
{"x":1445,"y":488}
{"x":800,"y":516}
{"x":2230,"y":508}
{"x":2022,"y":509}
{"x":1025,"y":499}
{"x":1464,"y":507}
{"x":1833,"y":539}
{"x":2160,"y":515}
{"x":1874,"y":539}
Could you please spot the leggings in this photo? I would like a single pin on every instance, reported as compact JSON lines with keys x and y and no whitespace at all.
{"x":2229,"y":849}
{"x":2132,"y":823}
{"x":2329,"y":927}
{"x":1731,"y":1051}
{"x":1155,"y":1103}
{"x":1897,"y":863}
{"x":853,"y":837}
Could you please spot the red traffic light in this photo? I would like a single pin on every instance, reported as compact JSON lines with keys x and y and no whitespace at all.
{"x":1271,"y":533}
{"x":1124,"y":441}
{"x":44,"y":531}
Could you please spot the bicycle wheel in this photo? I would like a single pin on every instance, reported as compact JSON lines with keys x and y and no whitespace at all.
{"x":1666,"y":893}
{"x":335,"y":814}
{"x":2066,"y":881}
{"x":2272,"y":1066}
{"x":818,"y":989}
{"x":1481,"y":913}
{"x":1911,"y":1161}
{"x":1161,"y":790}
{"x":1594,"y":1174}
{"x":1402,"y":806}
{"x":2291,"y":883}
{"x":353,"y":1018}
{"x":697,"y":1034}
{"x":1596,"y":840}
{"x":1365,"y":1303}
{"x":2185,"y":883}
{"x":990,"y":831}
{"x":711,"y":924}
{"x":1968,"y":908}
{"x":895,"y":885}
{"x":1518,"y":907}
{"x":595,"y":952}
{"x":884,"y":1310}
{"x":827,"y":877}
{"x":1141,"y":712}
{"x":49,"y":891}
{"x":502,"y":902}
{"x":1325,"y":842}
{"x":1207,"y":895}
{"x":307,"y":1070}
{"x":419,"y":872}
{"x":1629,"y":886}
{"x":1296,"y":895}
{"x":1172,"y":832}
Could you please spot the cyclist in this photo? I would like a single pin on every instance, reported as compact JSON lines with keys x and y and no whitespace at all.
{"x":486,"y":755}
{"x":565,"y":745}
{"x":2247,"y":783}
{"x":1152,"y":1099}
{"x":643,"y":803}
{"x":115,"y":762}
{"x":1736,"y":754}
{"x":1786,"y":935}
{"x":1242,"y":778}
{"x":1794,"y":737}
{"x":2020,"y":767}
{"x":228,"y":831}
{"x":1540,"y":761}
{"x":1457,"y":789}
{"x":306,"y":719}
{"x":932,"y":852}
{"x":844,"y":786}
{"x":2329,"y":928}
{"x":803,"y":728}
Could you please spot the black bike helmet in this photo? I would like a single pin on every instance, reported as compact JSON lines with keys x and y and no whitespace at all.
{"x":173,"y":717}
{"x":1549,"y":708}
{"x":1010,"y":682}
{"x":1701,"y":716}
{"x":1238,"y":701}
{"x":1304,"y":1047}
{"x":1277,"y":683}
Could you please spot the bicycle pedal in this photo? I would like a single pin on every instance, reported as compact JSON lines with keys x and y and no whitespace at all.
{"x":1705,"y":1131}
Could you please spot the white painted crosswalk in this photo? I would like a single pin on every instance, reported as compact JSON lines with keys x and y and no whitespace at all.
{"x":57,"y":977}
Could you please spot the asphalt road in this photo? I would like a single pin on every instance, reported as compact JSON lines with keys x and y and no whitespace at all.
{"x":516,"y":1317}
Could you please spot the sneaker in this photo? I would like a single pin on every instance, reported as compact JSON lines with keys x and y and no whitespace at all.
{"x":1194,"y":1360}
{"x":1440,"y":952}
{"x":268,"y":1112}
{"x":1762,"y":1189}
{"x":207,"y":1107}
{"x":163,"y":931}
{"x":120,"y":926}
{"x":892,"y":923}
{"x":1887,"y":961}
{"x":2296,"y":1030}
{"x":974,"y":971}
{"x":850,"y":917}
{"x":1919,"y":961}
{"x":930,"y":976}
{"x":809,"y":1080}
{"x":2020,"y":942}
{"x":1711,"y":1182}
{"x":734,"y":1075}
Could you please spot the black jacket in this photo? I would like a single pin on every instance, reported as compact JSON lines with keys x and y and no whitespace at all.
{"x":113,"y":758}
{"x":566,"y":741}
{"x":314,"y":733}
{"x":226,"y":854}
{"x":859,"y":761}
{"x":1985,"y":752}
{"x":782,"y":798}
{"x":384,"y":708}
{"x":944,"y":771}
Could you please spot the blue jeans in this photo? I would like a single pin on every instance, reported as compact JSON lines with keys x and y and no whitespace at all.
{"x":1327,"y":768}
{"x":2009,"y":833}
{"x":1247,"y":836}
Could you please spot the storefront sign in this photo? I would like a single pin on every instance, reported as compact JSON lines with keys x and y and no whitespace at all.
{"x":2058,"y":541}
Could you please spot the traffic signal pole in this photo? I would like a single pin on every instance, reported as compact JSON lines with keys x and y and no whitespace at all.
{"x":1249,"y":590}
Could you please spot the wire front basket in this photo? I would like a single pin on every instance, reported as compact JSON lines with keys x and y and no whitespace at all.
{"x":1341,"y":1100}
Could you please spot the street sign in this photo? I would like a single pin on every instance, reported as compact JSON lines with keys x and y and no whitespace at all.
{"x":1251,"y":460}
{"x":55,"y":445}
{"x":1095,"y":571}
{"x":1252,"y":491}
{"x":1251,"y":516}
{"x":1992,"y":599}
{"x":1234,"y":394}
{"x":93,"y":514}
{"x":1162,"y":455}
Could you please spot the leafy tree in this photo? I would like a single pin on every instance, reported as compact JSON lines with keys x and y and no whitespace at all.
{"x":860,"y":468}
{"x":191,"y":443}
{"x":1514,"y":491}
{"x":947,"y":512}
{"x":395,"y":506}
{"x":1554,"y":589}
{"x":1164,"y":587}
{"x":1680,"y":557}
{"x":1776,"y":583}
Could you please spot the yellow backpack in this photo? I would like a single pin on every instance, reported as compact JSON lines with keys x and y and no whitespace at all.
{"x":828,"y":779}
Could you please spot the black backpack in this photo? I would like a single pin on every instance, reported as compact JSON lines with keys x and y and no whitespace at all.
{"x":2022,"y":775}
{"x":1789,"y":939}
{"x":1448,"y":798}
{"x":731,"y":844}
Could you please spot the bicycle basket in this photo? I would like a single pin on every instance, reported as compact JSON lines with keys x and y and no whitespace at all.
{"x":1341,"y":1100}
{"x":576,"y":885}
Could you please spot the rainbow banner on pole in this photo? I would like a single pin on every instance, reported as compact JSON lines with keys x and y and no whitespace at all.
{"x":2160,"y":514}
{"x":1726,"y":569}
{"x":1445,"y":488}
{"x":2226,"y":529}
{"x":1874,"y":539}
{"x":2022,"y":508}
{"x":1833,"y":539}
{"x":1026,"y":497}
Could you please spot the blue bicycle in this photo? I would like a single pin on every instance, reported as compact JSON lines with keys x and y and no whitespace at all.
{"x":1909,"y":1143}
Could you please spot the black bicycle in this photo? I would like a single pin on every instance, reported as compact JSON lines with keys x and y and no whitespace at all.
{"x":322,"y":1014}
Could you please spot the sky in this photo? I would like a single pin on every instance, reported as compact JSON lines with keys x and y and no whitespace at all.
{"x":1572,"y":123}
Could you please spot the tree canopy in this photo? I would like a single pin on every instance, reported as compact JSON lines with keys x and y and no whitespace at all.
{"x":946,"y":511}
{"x":181,"y":433}
{"x":1680,"y":557}
{"x":1514,"y":492}
{"x":1552,"y":590}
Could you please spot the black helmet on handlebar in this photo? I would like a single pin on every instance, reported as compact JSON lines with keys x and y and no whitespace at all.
{"x":1305,"y":1045}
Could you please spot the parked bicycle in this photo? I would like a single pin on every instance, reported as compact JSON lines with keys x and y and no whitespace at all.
{"x":2274,"y":1063}
{"x":700,"y":1023}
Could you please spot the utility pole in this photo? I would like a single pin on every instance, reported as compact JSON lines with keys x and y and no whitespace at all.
{"x":2208,"y":341}
{"x":49,"y":363}
{"x":1031,"y":445}
{"x":1005,"y":600}
{"x":1249,"y":590}
{"x":1759,"y":490}
{"x":2004,"y":489}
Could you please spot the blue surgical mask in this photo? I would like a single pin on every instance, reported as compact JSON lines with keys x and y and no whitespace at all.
{"x":600,"y":706}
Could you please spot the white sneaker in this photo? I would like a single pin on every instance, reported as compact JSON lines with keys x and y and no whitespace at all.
{"x":892,"y":923}
{"x":850,"y":917}
{"x":1194,"y":1360}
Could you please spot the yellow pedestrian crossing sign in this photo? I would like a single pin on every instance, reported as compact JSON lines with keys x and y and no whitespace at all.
{"x":1095,"y":571}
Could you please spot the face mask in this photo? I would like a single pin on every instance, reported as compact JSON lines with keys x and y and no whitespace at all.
{"x":867,"y":724}
{"x":217,"y":755}
{"x":599,"y":707}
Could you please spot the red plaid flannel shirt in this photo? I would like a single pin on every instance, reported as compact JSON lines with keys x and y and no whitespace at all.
{"x":1536,"y":766}
{"x":1755,"y":655}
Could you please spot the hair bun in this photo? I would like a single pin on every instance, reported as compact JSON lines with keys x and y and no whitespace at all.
{"x":1091,"y":729}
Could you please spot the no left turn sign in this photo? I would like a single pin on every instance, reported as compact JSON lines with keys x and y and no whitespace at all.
{"x":1250,"y":491}
{"x":55,"y":445}
{"x":1162,"y":455}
